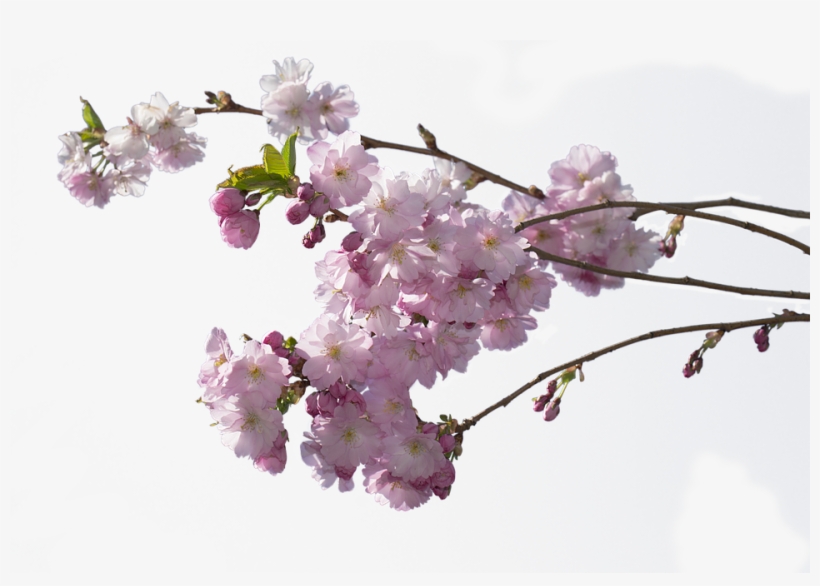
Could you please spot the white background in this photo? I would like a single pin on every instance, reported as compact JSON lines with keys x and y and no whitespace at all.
{"x":110,"y":471}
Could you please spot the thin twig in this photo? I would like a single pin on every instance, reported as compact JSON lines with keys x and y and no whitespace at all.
{"x":725,"y":327}
{"x":672,"y":209}
{"x":373,"y":143}
{"x":671,"y":280}
{"x":732,"y":202}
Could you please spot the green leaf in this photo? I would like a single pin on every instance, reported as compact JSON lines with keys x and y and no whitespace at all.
{"x":90,"y":116}
{"x":274,"y":163}
{"x":444,"y":418}
{"x":254,"y":178}
{"x":289,"y":154}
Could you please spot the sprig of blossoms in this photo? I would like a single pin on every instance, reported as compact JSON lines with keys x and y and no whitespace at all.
{"x":155,"y":136}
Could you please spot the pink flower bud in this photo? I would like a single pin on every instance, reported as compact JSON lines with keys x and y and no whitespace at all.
{"x":430,"y":428}
{"x":240,"y":229}
{"x":297,"y":212}
{"x":312,"y":405}
{"x":540,"y":403}
{"x":761,"y":338}
{"x":552,"y":410}
{"x":319,"y":206}
{"x":274,"y":340}
{"x":253,"y":199}
{"x":305,"y":192}
{"x":352,"y":241}
{"x":315,"y":236}
{"x":448,"y":443}
{"x":688,"y":371}
{"x":227,"y":201}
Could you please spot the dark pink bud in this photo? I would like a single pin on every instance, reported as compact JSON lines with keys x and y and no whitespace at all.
{"x":430,"y":428}
{"x":338,"y":389}
{"x":352,"y":242}
{"x":319,"y":206}
{"x":345,"y":472}
{"x":282,"y":352}
{"x":227,"y":201}
{"x":552,"y":386}
{"x":420,"y":484}
{"x":274,"y":340}
{"x":552,"y":410}
{"x":688,"y":371}
{"x":315,"y":236}
{"x":297,"y":212}
{"x":253,"y":199}
{"x":761,"y":336}
{"x":763,"y":347}
{"x":356,"y":399}
{"x":312,"y":405}
{"x":441,"y":493}
{"x":444,"y":476}
{"x":669,"y":249}
{"x":540,"y":403}
{"x":697,"y":365}
{"x":326,"y":403}
{"x":448,"y":443}
{"x":305,"y":192}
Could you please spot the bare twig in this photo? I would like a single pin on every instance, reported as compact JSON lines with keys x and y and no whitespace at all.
{"x":672,"y":209}
{"x":724,"y":327}
{"x":731,"y":202}
{"x":671,"y":280}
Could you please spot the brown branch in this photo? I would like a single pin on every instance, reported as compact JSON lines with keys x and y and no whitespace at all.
{"x":672,"y":209}
{"x":373,"y":143}
{"x":724,"y":327}
{"x":732,"y":202}
{"x":671,"y":280}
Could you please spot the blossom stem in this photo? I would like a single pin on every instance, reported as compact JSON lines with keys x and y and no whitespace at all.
{"x":671,"y":280}
{"x":723,"y":327}
{"x":731,"y":202}
{"x":672,"y":209}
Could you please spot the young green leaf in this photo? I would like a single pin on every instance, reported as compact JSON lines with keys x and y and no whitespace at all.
{"x":90,"y":116}
{"x":289,"y":153}
{"x":274,"y":163}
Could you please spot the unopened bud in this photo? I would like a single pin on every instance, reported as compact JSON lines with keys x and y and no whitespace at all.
{"x":274,"y":340}
{"x":297,"y":212}
{"x":428,"y":138}
{"x":352,"y":241}
{"x":253,"y":199}
{"x":305,"y":192}
{"x":553,"y":409}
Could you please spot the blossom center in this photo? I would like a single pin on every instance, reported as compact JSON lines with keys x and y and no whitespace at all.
{"x":255,"y":373}
{"x":491,"y":243}
{"x":393,"y":407}
{"x":220,"y":361}
{"x":341,"y":173}
{"x":525,"y":282}
{"x":415,"y":448}
{"x":582,"y":177}
{"x":334,"y":352}
{"x":397,"y":254}
{"x":350,"y":436}
{"x":251,"y":423}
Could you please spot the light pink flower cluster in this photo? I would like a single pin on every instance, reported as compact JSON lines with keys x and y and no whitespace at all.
{"x":155,"y":137}
{"x":242,"y":392}
{"x":604,"y":237}
{"x":289,"y":106}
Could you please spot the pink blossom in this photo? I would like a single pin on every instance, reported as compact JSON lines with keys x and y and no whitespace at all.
{"x":258,"y":369}
{"x":583,"y":163}
{"x":506,"y":332}
{"x":530,"y":289}
{"x":213,"y":371}
{"x":334,"y":351}
{"x":131,"y":178}
{"x":297,"y":211}
{"x":187,"y":151}
{"x":387,"y":489}
{"x":172,"y":120}
{"x":388,"y":210}
{"x":132,"y":140}
{"x":347,"y":439}
{"x":89,"y":188}
{"x":490,"y":243}
{"x":324,"y":473}
{"x":635,"y":250}
{"x":274,"y":461}
{"x":414,"y":456}
{"x":334,"y":108}
{"x":289,"y":71}
{"x":287,"y":109}
{"x":240,"y":230}
{"x":341,"y":171}
{"x":249,"y":423}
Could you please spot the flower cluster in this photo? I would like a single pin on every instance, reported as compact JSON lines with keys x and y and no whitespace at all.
{"x":155,"y":137}
{"x":239,"y":226}
{"x":290,"y":107}
{"x":606,"y":237}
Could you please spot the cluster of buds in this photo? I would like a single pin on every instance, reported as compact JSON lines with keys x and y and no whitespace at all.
{"x":238,"y":226}
{"x":309,"y":202}
{"x":695,"y":363}
{"x":669,"y":244}
{"x":550,"y":403}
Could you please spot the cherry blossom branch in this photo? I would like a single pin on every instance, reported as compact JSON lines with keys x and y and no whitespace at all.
{"x":373,"y":143}
{"x":731,"y":202}
{"x":672,"y":209}
{"x":723,"y":327}
{"x":671,"y":280}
